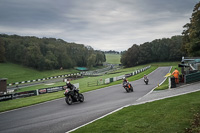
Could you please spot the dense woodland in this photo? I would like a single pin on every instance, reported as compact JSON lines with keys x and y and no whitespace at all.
{"x":166,"y":49}
{"x":47,"y":53}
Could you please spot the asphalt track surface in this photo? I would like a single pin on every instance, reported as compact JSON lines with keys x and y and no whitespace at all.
{"x":58,"y":117}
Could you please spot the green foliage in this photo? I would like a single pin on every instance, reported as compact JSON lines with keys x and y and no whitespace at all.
{"x":159,"y":50}
{"x":191,"y":40}
{"x":48,"y":53}
{"x":2,"y":51}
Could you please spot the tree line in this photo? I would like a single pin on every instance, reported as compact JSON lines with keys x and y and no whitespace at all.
{"x":167,"y":49}
{"x":159,"y":50}
{"x":47,"y":53}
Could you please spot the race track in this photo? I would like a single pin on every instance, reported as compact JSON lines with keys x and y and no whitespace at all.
{"x":58,"y":117}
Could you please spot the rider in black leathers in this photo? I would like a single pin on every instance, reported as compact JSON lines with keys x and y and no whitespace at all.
{"x":72,"y":87}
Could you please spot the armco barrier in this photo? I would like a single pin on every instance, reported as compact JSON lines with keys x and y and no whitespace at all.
{"x":33,"y":92}
{"x":24,"y":94}
{"x":109,"y":80}
{"x":18,"y":95}
{"x":6,"y":97}
{"x":50,"y":90}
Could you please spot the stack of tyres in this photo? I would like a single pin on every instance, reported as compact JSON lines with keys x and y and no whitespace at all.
{"x":173,"y":83}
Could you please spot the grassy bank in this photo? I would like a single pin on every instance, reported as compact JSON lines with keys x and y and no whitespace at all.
{"x":16,"y":73}
{"x":172,"y":115}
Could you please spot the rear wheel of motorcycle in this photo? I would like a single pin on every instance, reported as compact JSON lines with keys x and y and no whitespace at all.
{"x":81,"y":97}
{"x":68,"y":100}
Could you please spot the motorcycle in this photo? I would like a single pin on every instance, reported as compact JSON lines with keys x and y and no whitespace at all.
{"x":73,"y":96}
{"x":146,"y":81}
{"x":128,"y":87}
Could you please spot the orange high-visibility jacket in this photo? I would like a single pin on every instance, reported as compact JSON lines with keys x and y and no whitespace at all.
{"x":175,"y":73}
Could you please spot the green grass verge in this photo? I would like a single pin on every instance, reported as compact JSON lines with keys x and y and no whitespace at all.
{"x":172,"y":115}
{"x":27,"y":101}
{"x":16,"y":73}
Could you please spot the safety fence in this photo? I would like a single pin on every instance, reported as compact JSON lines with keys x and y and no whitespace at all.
{"x":95,"y":83}
{"x":33,"y":92}
{"x":193,"y":77}
{"x":109,"y":80}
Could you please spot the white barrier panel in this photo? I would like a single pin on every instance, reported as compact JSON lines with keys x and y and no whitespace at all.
{"x":107,"y":80}
{"x":114,"y":78}
{"x":120,"y":77}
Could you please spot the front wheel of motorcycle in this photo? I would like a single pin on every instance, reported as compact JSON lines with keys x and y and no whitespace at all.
{"x":81,"y":97}
{"x":127,"y":89}
{"x":68,"y":100}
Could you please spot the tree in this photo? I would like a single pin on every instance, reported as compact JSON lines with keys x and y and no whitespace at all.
{"x":191,"y":40}
{"x":2,"y":51}
{"x":34,"y":57}
{"x":130,"y":57}
{"x":91,"y":60}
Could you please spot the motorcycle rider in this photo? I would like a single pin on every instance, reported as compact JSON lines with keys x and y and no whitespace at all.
{"x":72,"y":88}
{"x":125,"y":82}
{"x":145,"y":77}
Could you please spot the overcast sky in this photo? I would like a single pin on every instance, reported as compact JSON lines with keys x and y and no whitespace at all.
{"x":102,"y":24}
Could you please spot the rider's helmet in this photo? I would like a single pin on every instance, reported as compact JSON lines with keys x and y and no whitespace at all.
{"x":124,"y":78}
{"x":68,"y":82}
